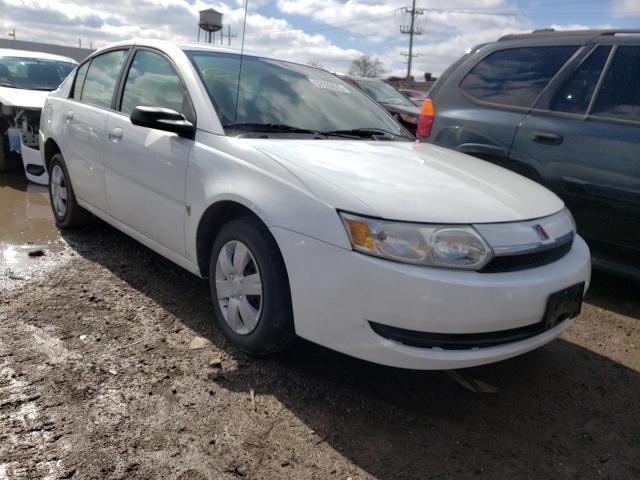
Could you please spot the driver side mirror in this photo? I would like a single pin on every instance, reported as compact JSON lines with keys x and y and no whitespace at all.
{"x":163,"y":119}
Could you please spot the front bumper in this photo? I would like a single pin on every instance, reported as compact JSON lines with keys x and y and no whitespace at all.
{"x":34,"y":168}
{"x":336,"y":293}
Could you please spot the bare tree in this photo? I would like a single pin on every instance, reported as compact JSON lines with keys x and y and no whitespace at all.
{"x":366,"y":66}
{"x":314,"y":62}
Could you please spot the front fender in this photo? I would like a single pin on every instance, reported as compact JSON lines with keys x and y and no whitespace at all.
{"x":221,"y":169}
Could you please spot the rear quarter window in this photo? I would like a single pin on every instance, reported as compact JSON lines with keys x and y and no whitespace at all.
{"x":77,"y":86}
{"x":515,"y":76}
{"x":575,"y":95}
{"x":619,"y":96}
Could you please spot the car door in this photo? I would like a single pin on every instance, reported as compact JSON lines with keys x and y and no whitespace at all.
{"x":480,"y":105}
{"x":584,"y":139}
{"x":145,"y":169}
{"x":85,"y":118}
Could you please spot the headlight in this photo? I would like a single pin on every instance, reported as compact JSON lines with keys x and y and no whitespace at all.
{"x":573,"y":220}
{"x":447,"y":246}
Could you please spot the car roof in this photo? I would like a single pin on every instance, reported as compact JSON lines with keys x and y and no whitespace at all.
{"x":10,"y":52}
{"x":168,"y":46}
{"x":586,"y":34}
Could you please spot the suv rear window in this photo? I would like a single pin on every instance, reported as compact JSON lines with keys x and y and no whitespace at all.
{"x":516,"y":76}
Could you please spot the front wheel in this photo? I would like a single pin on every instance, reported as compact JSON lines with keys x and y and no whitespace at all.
{"x":250,"y":288}
{"x":66,"y":211}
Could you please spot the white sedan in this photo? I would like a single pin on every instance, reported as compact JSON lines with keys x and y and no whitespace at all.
{"x":311,"y":211}
{"x":26,"y":78}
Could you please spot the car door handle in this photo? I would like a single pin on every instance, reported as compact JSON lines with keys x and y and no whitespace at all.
{"x":69,"y":116}
{"x":115,"y":135}
{"x":483,"y":150}
{"x":547,"y":138}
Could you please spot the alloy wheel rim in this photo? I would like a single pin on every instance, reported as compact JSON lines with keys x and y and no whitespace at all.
{"x":59,"y":191}
{"x":239,"y":287}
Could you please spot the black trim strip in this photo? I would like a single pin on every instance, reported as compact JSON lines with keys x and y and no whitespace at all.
{"x":457,"y":341}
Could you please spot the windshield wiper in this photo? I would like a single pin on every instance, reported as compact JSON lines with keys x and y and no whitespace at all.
{"x":353,"y":134}
{"x":271,"y":127}
{"x":8,"y":85}
{"x":374,"y":133}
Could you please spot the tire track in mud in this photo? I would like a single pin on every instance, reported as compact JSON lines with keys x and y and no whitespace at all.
{"x":32,"y":444}
{"x":97,"y":380}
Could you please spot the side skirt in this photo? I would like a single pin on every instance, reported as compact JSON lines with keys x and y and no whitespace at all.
{"x":146,"y":241}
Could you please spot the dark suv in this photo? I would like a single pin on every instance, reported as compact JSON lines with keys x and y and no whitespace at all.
{"x":562,"y":108}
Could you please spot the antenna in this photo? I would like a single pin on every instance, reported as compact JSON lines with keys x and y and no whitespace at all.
{"x":244,"y":29}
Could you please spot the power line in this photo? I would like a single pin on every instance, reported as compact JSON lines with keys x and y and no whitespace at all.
{"x":411,"y":30}
{"x":487,"y":12}
{"x":336,"y":25}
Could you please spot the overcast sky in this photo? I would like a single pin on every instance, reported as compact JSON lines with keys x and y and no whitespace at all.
{"x":332,"y":32}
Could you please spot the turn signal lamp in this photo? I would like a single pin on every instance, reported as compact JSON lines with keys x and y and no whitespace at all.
{"x":427,"y":115}
{"x":360,"y":234}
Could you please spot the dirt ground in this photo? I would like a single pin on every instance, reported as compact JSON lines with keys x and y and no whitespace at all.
{"x":97,"y":380}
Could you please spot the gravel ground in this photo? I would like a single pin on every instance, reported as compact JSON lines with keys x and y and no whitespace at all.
{"x":97,"y":380}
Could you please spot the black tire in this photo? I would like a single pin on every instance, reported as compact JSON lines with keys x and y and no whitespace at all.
{"x":74,"y":216}
{"x":274,"y":331}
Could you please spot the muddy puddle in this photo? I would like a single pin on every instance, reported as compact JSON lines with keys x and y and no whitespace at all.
{"x":27,"y":231}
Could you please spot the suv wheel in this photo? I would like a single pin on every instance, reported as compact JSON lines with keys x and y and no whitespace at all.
{"x":250,"y":288}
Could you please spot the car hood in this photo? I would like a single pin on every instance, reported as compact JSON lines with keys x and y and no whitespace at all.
{"x":413,"y":111}
{"x":414,"y":182}
{"x":16,"y":97}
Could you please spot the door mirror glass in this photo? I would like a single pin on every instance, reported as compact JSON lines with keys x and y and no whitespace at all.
{"x":164,"y":119}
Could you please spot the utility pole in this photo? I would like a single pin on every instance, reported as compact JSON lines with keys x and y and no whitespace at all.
{"x":13,"y":34}
{"x":229,"y":34}
{"x":411,"y":30}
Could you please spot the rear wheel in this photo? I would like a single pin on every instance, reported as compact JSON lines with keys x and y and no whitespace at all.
{"x":250,"y":288}
{"x":66,"y":211}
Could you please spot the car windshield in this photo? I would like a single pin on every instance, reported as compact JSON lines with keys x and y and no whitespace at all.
{"x":277,"y":97}
{"x":33,"y":73}
{"x":383,"y":93}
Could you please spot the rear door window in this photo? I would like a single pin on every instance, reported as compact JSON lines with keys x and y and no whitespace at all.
{"x":102,"y":77}
{"x":575,"y":95}
{"x":516,"y":76}
{"x":619,"y":95}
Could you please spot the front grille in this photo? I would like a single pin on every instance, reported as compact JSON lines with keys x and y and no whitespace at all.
{"x":543,"y":256}
{"x":458,"y":341}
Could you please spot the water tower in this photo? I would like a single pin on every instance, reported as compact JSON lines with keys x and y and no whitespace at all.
{"x":210,"y":22}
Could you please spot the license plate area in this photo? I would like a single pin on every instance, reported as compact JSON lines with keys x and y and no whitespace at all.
{"x":562,"y":305}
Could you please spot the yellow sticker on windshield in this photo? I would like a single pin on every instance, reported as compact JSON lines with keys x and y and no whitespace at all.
{"x":335,"y":87}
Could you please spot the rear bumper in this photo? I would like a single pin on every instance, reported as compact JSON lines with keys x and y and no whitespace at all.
{"x":336,"y":293}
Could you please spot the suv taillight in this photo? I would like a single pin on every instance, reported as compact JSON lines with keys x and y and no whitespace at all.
{"x":427,"y":115}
